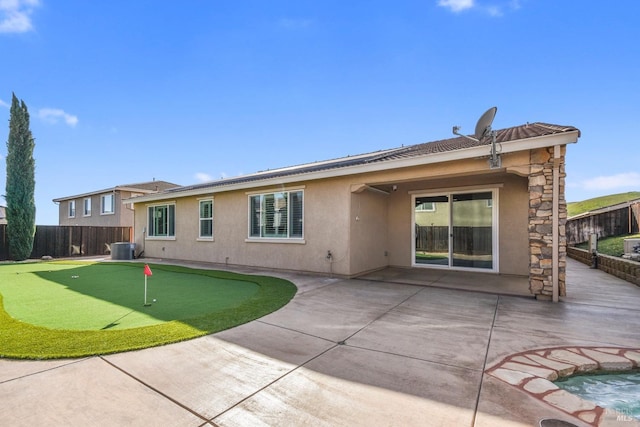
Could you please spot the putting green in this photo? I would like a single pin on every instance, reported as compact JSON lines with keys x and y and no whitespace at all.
{"x":71,"y":309}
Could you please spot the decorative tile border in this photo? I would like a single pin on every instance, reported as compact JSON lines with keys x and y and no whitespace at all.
{"x":533,"y":372}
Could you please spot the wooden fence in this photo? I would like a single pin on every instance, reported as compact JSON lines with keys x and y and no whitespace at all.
{"x":466,"y":240}
{"x":61,"y":241}
{"x":614,"y":222}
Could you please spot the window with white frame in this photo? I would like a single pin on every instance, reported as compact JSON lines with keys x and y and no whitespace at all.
{"x":72,"y":208}
{"x":86,"y":210}
{"x":206,"y":219}
{"x":161,"y":220}
{"x":106,"y":204}
{"x":276,"y":215}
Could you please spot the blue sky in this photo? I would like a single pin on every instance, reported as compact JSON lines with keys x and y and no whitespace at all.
{"x":126,"y":91}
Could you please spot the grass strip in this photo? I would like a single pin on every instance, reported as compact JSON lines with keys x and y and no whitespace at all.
{"x":612,"y":246}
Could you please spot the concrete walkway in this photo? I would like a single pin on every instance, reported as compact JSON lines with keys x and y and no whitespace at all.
{"x":341,"y":353}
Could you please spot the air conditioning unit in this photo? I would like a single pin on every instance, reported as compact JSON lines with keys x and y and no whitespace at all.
{"x":631,"y":246}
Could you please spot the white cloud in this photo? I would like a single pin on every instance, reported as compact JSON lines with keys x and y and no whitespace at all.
{"x":15,"y":15}
{"x":203,"y":177}
{"x":53,"y":115}
{"x":618,"y":181}
{"x":494,"y":11}
{"x":456,"y":5}
{"x":4,"y":104}
{"x":515,"y":4}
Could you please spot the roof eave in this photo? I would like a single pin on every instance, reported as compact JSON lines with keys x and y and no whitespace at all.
{"x":570,"y":137}
{"x":106,"y":190}
{"x":448,"y":156}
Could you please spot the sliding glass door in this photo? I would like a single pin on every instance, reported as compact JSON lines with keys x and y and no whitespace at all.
{"x":455,"y":230}
{"x":472,"y":230}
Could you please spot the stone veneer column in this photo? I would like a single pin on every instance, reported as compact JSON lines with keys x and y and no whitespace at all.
{"x":541,"y":224}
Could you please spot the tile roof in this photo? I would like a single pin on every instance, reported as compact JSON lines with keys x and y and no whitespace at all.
{"x":145,"y":187}
{"x":528,"y":130}
{"x":150,"y":185}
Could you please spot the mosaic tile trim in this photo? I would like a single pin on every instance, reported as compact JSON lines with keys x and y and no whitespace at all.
{"x":533,"y":372}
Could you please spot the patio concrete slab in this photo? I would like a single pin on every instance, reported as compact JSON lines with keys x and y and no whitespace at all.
{"x":613,"y":325}
{"x":447,"y":304}
{"x":13,"y":369}
{"x":415,"y":276}
{"x":88,"y":393}
{"x":461,"y":280}
{"x":437,"y":325}
{"x":337,"y":311}
{"x":213,"y":373}
{"x":356,"y":387}
{"x":275,"y":342}
{"x":595,"y":287}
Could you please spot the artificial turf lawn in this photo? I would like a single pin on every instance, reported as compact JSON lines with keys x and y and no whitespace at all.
{"x":71,"y":309}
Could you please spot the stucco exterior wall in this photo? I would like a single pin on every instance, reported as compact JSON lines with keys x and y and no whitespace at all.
{"x":513,"y":233}
{"x":121,"y":217}
{"x":369,"y":236}
{"x":326,"y":217}
{"x":364,"y":230}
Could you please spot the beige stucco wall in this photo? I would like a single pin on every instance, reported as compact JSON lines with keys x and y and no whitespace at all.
{"x":326,"y":207}
{"x":364,"y":230}
{"x":514,"y":226}
{"x":122,"y":216}
{"x":368,"y":231}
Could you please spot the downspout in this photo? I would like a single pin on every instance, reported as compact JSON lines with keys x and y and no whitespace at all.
{"x":555,"y":224}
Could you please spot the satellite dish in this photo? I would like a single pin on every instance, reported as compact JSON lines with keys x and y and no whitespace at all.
{"x":483,"y":127}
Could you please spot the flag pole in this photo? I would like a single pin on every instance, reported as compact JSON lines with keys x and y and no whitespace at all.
{"x":145,"y":291}
{"x":147,"y":272}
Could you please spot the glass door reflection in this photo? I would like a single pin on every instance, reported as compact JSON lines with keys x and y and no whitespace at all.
{"x":472,"y":230}
{"x":432,"y":230}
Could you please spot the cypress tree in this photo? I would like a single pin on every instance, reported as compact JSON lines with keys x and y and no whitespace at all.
{"x":20,"y":185}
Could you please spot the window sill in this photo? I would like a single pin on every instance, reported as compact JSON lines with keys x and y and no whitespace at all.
{"x":204,"y":239}
{"x":160,"y":238}
{"x":267,"y":240}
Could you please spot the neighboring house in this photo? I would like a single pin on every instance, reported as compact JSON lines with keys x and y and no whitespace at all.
{"x":3,"y":215}
{"x":432,"y":205}
{"x":105,"y":207}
